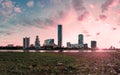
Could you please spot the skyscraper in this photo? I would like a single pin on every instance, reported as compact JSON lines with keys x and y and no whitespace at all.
{"x":26,"y":42}
{"x":80,"y":39}
{"x":93,"y":44}
{"x":60,"y":36}
{"x":49,"y":42}
{"x":37,"y":43}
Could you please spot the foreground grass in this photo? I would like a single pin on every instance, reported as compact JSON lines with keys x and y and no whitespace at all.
{"x":97,"y":63}
{"x":35,"y":64}
{"x":93,"y":63}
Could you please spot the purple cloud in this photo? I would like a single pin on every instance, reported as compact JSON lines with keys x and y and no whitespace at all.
{"x":97,"y":33}
{"x":83,"y":16}
{"x":103,"y":17}
{"x":87,"y":35}
{"x":30,"y":3}
{"x":114,"y":28}
{"x":17,"y":9}
{"x":78,"y":5}
{"x":8,"y":9}
{"x":109,"y":4}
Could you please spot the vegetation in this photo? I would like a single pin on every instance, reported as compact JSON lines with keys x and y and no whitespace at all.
{"x":82,"y":63}
{"x":34,"y":63}
{"x":97,"y":63}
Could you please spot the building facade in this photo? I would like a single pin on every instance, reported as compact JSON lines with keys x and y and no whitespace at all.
{"x":26,"y":42}
{"x":93,"y":44}
{"x":37,"y":43}
{"x":86,"y":46}
{"x":60,"y":36}
{"x":49,"y":42}
{"x":68,"y":45}
{"x":80,"y":39}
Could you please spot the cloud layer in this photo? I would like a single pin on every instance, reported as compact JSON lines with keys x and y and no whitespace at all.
{"x":109,"y":4}
{"x":19,"y":17}
{"x":30,"y":3}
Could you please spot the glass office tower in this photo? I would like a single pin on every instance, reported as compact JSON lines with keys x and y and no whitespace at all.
{"x":60,"y":36}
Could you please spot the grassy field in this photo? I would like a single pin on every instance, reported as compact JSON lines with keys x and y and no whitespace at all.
{"x":94,"y":63}
{"x":34,"y":64}
{"x":97,"y":63}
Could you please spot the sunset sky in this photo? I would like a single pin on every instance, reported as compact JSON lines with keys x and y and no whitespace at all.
{"x":97,"y":19}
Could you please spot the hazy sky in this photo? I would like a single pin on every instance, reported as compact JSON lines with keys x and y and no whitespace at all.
{"x":97,"y":19}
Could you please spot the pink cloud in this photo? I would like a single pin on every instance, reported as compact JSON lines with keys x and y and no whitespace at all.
{"x":103,"y":17}
{"x":117,"y":12}
{"x":92,"y":6}
{"x":87,"y":35}
{"x":78,"y":6}
{"x":97,"y":33}
{"x":85,"y":32}
{"x":83,"y":16}
{"x":114,"y":28}
{"x":96,"y":19}
{"x":7,"y":8}
{"x":17,"y":9}
{"x":109,"y":4}
{"x":30,"y":4}
{"x":7,"y":4}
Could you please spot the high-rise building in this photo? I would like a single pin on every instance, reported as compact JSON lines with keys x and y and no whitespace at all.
{"x":93,"y":44}
{"x":60,"y":36}
{"x":86,"y":46}
{"x":26,"y":42}
{"x":80,"y":39}
{"x":68,"y":45}
{"x":37,"y":43}
{"x":49,"y":42}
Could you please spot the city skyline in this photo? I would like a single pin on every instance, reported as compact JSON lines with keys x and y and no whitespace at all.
{"x":96,"y":20}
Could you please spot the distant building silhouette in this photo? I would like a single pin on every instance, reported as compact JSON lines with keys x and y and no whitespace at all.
{"x":32,"y":46}
{"x":10,"y":45}
{"x":93,"y":44}
{"x":37,"y":43}
{"x":86,"y":46}
{"x":60,"y":36}
{"x":49,"y":42}
{"x":68,"y":45}
{"x":75,"y":46}
{"x":26,"y":42}
{"x":80,"y":39}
